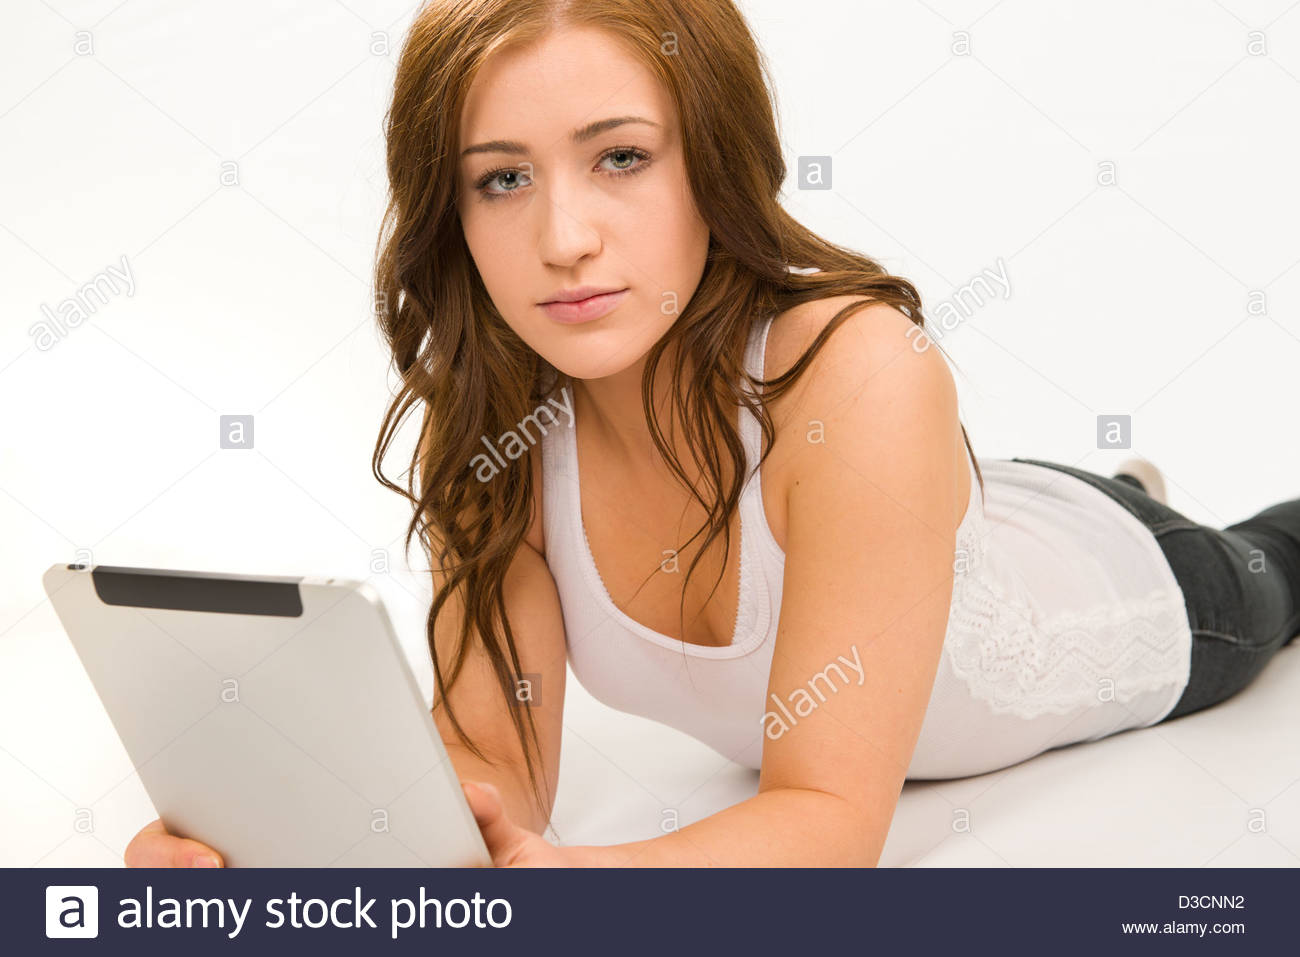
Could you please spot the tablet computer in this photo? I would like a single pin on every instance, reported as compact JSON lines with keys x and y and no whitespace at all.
{"x":273,"y":718}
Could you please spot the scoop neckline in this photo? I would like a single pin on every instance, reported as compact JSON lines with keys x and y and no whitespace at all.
{"x":750,"y":586}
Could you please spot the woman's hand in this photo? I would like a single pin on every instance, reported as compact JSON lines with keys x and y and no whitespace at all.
{"x":509,"y":844}
{"x":154,"y":847}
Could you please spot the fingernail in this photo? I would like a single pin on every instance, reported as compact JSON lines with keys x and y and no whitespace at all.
{"x":205,"y":860}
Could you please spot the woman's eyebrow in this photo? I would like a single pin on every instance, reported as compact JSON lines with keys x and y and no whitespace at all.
{"x":580,"y":135}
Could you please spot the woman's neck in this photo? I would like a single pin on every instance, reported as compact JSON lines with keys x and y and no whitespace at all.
{"x":613,"y":409}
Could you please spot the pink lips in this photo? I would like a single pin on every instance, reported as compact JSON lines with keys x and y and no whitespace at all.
{"x":584,"y":310}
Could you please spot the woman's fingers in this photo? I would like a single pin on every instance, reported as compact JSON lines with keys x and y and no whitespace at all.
{"x":154,"y":847}
{"x":501,"y":835}
{"x":509,"y":844}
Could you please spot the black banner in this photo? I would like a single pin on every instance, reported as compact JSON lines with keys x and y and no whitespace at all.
{"x":619,"y":911}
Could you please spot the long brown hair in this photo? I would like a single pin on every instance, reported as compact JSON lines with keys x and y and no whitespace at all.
{"x":476,"y":377}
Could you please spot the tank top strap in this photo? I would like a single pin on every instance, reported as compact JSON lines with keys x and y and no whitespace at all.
{"x":751,"y":434}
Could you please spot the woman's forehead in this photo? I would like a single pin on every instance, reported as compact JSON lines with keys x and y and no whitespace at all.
{"x":558,"y":84}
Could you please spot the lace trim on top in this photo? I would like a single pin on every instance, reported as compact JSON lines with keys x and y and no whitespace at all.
{"x":1022,"y":664}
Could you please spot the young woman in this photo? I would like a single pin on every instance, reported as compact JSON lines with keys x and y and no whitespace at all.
{"x":617,"y":336}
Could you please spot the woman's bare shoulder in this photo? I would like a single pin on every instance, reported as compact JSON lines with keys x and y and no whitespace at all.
{"x":877,"y":343}
{"x":877,"y":332}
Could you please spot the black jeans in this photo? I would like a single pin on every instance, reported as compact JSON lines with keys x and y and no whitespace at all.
{"x":1241,"y":585}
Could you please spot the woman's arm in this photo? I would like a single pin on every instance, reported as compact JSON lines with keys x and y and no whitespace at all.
{"x":873,"y":512}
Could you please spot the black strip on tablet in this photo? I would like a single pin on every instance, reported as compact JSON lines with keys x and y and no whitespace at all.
{"x":197,"y":591}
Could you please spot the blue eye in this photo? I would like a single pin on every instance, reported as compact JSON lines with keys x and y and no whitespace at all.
{"x":496,"y":174}
{"x":640,"y":158}
{"x":634,"y":154}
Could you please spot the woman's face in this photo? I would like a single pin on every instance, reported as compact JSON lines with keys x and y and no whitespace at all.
{"x":549,"y":207}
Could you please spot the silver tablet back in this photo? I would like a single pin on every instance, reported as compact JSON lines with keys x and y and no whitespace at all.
{"x":272,"y":718}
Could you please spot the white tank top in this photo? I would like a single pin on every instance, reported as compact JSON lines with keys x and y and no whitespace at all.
{"x":1066,"y":622}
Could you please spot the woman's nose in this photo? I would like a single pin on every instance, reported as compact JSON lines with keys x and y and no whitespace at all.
{"x":568,"y":229}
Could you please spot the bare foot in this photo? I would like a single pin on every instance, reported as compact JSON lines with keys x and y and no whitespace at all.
{"x":1146,"y":473}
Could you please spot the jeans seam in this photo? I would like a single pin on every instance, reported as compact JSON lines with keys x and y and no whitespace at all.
{"x":1205,"y":633}
{"x":1173,"y":525}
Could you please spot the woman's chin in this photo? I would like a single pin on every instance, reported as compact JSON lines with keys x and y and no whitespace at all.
{"x":590,"y":367}
{"x":597,"y":356}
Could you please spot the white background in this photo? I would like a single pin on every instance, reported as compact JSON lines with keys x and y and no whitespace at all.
{"x":1128,"y":298}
